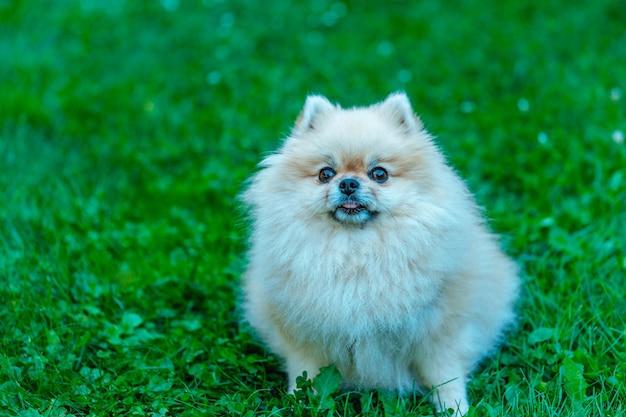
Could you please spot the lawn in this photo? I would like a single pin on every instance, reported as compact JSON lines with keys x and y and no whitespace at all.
{"x":127,"y":129}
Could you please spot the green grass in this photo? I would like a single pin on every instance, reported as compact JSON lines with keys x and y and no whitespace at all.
{"x":128,"y":129}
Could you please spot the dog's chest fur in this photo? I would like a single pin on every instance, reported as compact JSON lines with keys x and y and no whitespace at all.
{"x":350,"y":292}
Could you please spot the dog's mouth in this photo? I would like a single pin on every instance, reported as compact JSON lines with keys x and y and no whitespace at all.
{"x":352,"y":212}
{"x":351,"y":208}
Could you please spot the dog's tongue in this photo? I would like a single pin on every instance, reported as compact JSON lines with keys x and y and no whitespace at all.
{"x":350,"y":205}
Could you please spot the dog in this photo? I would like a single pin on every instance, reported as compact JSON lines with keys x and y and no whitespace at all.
{"x":368,"y":252}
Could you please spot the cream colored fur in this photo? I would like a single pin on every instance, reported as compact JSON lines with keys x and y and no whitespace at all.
{"x":410,"y":299}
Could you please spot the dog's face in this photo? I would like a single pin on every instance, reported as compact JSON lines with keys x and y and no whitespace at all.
{"x":352,"y":167}
{"x":351,"y":197}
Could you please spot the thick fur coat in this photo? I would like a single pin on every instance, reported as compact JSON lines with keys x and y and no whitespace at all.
{"x":369,"y":253}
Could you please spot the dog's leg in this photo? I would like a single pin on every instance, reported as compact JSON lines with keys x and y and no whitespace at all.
{"x":298,"y":361}
{"x":446,"y":376}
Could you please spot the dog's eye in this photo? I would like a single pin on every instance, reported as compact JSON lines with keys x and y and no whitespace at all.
{"x":326,"y":174}
{"x":379,"y":174}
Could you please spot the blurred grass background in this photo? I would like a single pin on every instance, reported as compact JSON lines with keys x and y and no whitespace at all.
{"x":128,"y":128}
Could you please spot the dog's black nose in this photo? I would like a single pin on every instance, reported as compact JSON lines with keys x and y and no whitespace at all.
{"x":348,"y":186}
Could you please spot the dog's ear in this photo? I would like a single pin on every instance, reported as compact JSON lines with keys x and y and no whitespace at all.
{"x":313,"y":107}
{"x":398,"y":107}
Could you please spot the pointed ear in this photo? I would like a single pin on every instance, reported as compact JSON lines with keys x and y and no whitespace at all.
{"x":313,"y":107}
{"x":398,"y":107}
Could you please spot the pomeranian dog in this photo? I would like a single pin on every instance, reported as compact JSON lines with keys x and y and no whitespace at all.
{"x":369,"y":253}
